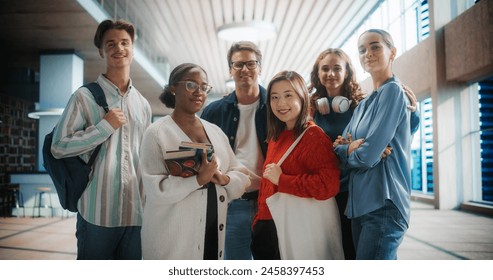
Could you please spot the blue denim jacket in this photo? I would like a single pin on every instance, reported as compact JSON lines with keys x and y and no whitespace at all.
{"x":225,"y":114}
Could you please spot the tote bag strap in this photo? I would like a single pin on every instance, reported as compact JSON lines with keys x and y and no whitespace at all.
{"x":286,"y":154}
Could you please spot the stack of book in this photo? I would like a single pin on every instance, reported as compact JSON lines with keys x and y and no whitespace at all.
{"x":185,"y":161}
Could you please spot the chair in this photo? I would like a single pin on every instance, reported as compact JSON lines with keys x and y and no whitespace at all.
{"x":5,"y":202}
{"x":18,"y":198}
{"x":10,"y":196}
{"x":38,"y":200}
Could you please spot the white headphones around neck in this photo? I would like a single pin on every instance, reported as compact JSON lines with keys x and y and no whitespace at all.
{"x":339,"y":104}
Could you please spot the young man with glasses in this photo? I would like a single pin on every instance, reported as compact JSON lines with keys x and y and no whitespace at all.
{"x":242,"y":115}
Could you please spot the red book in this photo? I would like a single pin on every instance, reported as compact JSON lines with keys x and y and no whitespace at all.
{"x":186,"y":161}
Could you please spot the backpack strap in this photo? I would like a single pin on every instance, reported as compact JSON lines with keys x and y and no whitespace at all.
{"x":98,"y":94}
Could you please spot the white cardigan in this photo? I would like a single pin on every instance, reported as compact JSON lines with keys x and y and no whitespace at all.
{"x":175,"y":209}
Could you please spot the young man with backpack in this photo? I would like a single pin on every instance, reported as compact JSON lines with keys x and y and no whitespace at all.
{"x":109,"y":214}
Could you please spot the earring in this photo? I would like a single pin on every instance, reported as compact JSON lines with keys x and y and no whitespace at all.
{"x":172,"y":93}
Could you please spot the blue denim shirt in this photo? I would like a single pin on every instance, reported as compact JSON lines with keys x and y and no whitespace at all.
{"x":333,"y":125}
{"x":382,"y":119}
{"x":225,"y":114}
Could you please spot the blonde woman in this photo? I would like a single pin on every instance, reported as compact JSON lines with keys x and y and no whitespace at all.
{"x":379,"y":187}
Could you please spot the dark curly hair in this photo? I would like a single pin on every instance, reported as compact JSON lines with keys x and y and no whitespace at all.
{"x":176,"y":75}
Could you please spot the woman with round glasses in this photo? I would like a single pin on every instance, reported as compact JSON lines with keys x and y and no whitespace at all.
{"x":185,"y":217}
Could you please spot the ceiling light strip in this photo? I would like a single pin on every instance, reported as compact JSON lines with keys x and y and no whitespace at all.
{"x":99,"y":14}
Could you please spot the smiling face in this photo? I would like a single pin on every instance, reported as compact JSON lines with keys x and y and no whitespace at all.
{"x":117,"y":48}
{"x":375,"y":54}
{"x":332,"y":73}
{"x":286,"y":104}
{"x":245,"y":77}
{"x":187,"y":100}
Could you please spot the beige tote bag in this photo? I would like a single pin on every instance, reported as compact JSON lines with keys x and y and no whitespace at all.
{"x":307,"y":229}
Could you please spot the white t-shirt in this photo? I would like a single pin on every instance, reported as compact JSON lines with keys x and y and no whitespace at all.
{"x":247,"y":148}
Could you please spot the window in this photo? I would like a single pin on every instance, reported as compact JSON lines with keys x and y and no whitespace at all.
{"x":486,"y":137}
{"x":424,"y":20}
{"x":422,"y":151}
{"x":407,"y":21}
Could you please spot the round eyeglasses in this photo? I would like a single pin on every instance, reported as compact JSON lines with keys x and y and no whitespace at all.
{"x":192,"y":86}
{"x":250,"y":65}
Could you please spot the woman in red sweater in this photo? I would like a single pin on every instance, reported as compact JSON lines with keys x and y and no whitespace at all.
{"x":310,"y":170}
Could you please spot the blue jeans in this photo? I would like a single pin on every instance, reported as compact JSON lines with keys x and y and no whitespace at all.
{"x":105,"y":243}
{"x":378,"y":234}
{"x":239,"y":229}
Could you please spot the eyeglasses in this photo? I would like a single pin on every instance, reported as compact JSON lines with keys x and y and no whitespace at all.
{"x":251,"y":65}
{"x":192,"y":86}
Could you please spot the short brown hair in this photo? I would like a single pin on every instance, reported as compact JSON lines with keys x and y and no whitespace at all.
{"x":110,"y":24}
{"x":244,"y":46}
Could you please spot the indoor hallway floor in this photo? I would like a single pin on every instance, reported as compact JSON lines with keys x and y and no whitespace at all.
{"x":433,"y":235}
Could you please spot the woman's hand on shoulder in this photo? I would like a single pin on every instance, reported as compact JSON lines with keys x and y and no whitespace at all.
{"x":412,"y":98}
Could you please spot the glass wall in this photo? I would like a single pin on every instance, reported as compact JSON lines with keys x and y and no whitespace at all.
{"x":409,"y":26}
{"x":486,"y":137}
{"x":422,"y":151}
{"x":408,"y":21}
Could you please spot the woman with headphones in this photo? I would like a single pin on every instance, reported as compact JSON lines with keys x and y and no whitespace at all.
{"x":336,"y":93}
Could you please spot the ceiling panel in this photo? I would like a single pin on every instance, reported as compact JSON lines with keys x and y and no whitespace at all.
{"x":177,"y":31}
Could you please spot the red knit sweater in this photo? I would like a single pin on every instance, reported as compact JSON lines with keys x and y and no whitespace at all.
{"x":311,"y":170}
